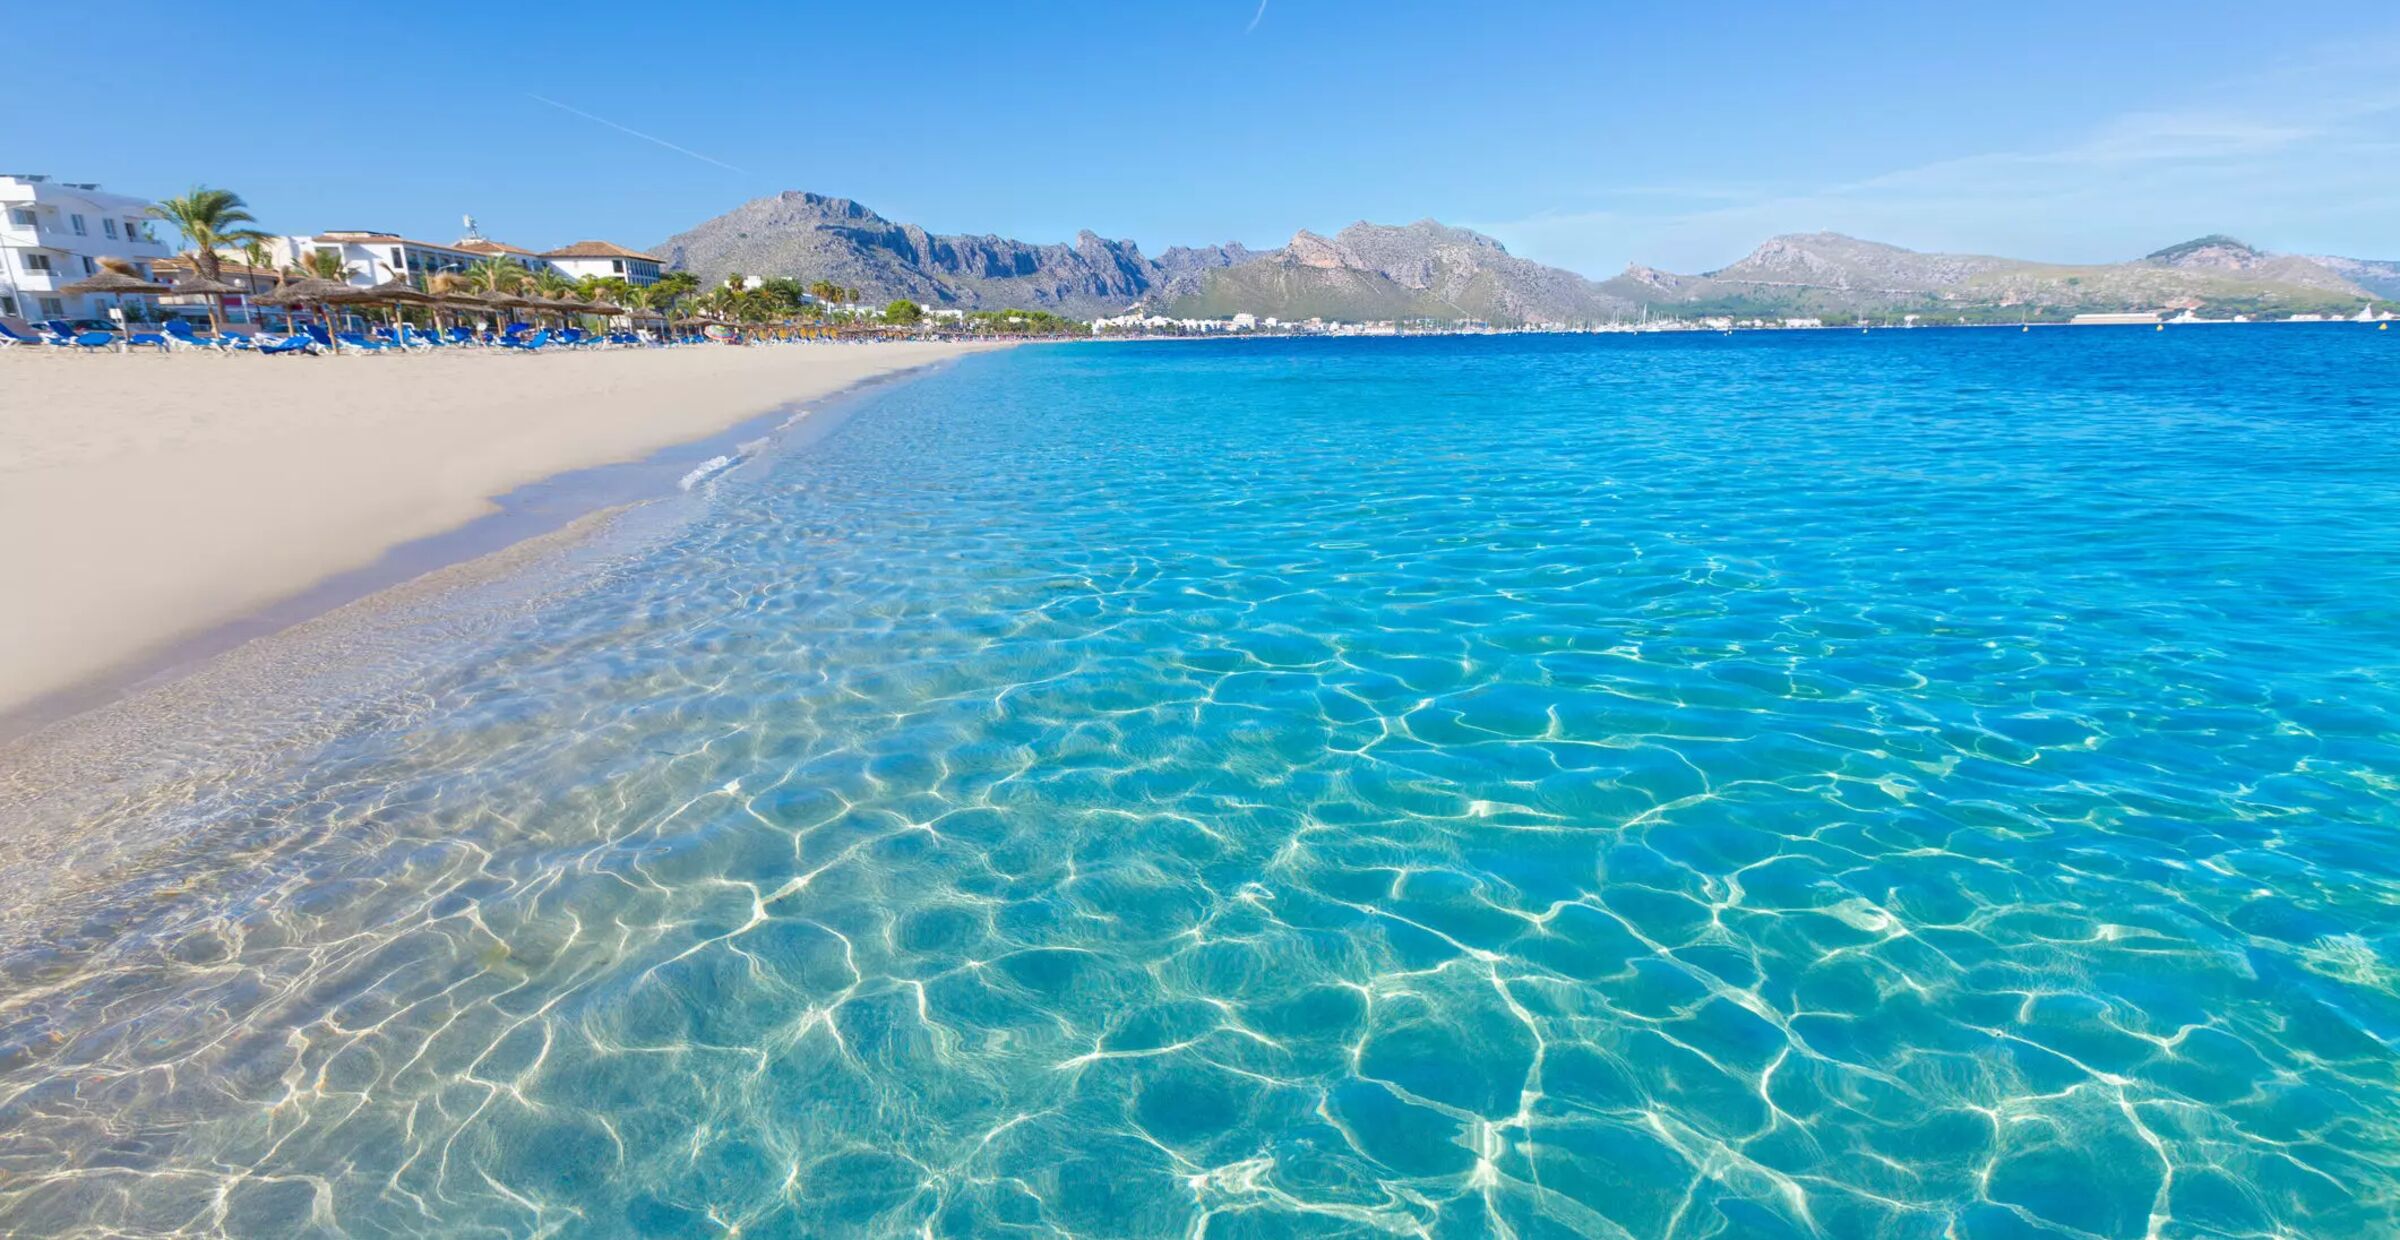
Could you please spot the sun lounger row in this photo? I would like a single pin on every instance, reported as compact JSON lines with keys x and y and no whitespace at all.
{"x":178,"y":335}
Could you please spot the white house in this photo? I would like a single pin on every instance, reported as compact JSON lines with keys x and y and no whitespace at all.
{"x":485,"y":247}
{"x":604,"y":258}
{"x":374,"y":257}
{"x":53,"y":233}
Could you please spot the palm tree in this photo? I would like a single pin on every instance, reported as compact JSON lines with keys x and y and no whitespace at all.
{"x":494,"y":275}
{"x":325,"y":265}
{"x":210,"y":219}
{"x":254,"y":252}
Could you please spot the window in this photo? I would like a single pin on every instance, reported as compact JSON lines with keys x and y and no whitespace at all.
{"x":52,"y":308}
{"x":89,"y":267}
{"x":77,"y":221}
{"x":8,"y":305}
{"x":37,"y":262}
{"x":617,"y":265}
{"x":20,"y":217}
{"x":133,"y":230}
{"x":396,"y":263}
{"x":109,"y":227}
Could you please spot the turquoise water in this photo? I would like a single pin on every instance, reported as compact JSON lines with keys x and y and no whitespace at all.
{"x":1922,"y":784}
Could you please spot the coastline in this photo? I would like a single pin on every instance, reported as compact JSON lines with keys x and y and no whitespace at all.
{"x":165,"y":509}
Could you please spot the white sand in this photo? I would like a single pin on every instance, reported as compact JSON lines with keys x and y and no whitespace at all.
{"x":146,"y":498}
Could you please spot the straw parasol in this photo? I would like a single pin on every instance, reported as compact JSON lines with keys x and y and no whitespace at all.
{"x":304,"y":291}
{"x":121,"y":283}
{"x":394,"y":292}
{"x":197,"y":285}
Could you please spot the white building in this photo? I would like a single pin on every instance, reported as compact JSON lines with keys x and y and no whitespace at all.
{"x":54,"y":233}
{"x":374,"y":257}
{"x":485,"y":247}
{"x":604,"y":259}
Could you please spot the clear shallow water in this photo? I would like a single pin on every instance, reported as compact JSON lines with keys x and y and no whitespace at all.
{"x":1925,"y":784}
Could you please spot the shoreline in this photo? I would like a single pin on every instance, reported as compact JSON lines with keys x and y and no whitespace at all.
{"x":165,"y":511}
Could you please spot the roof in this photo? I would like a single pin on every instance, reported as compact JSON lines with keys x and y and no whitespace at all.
{"x":600,"y":249}
{"x":485,"y":245}
{"x":361,"y":236}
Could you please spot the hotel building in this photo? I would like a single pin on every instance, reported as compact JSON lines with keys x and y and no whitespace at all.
{"x":53,"y":233}
{"x":604,"y":259}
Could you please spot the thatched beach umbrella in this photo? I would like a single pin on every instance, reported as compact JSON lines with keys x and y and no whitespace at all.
{"x":494,"y":304}
{"x":307,"y":290}
{"x":394,"y":293}
{"x":197,"y":285}
{"x":120,"y":283}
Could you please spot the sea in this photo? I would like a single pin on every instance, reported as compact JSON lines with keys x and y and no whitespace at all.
{"x":1926,"y":783}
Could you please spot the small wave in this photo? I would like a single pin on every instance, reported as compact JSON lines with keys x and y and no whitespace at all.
{"x":710,"y":468}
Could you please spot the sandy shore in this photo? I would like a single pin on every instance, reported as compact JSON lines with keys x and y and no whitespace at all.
{"x":144,"y":499}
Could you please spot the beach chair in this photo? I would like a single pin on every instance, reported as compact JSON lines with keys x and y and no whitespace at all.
{"x":152,"y":340}
{"x":352,"y":340}
{"x":179,"y":336}
{"x":11,"y":337}
{"x":90,"y":340}
{"x":531,"y":344}
{"x":289,"y":344}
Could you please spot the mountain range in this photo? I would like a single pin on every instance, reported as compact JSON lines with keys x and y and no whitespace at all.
{"x":1429,"y":270}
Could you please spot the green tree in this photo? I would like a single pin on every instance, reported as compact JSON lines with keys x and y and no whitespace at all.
{"x":903,"y":313}
{"x":495,"y":275}
{"x":254,"y":252}
{"x":783,"y":295}
{"x":210,"y":219}
{"x":325,"y":265}
{"x":675,"y":284}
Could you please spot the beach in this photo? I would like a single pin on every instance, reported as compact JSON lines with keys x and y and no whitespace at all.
{"x":150,"y":498}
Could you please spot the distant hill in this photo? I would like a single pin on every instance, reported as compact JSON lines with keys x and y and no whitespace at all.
{"x":1367,"y":271}
{"x":1379,"y":271}
{"x":1430,"y":270}
{"x":1822,"y":273}
{"x":2378,"y":276}
{"x":813,"y":237}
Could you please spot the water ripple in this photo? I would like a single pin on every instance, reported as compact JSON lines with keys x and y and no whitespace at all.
{"x":1921,"y":785}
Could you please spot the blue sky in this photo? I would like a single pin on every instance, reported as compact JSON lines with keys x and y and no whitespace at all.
{"x":1588,"y":135}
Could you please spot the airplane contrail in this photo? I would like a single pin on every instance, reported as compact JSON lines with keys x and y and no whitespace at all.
{"x":1256,"y":18}
{"x":680,"y":150}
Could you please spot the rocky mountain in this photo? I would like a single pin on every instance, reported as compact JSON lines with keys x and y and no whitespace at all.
{"x":1827,"y":273}
{"x":813,"y":237}
{"x":1380,"y":271}
{"x":1429,"y":270}
{"x":2378,"y":276}
{"x":1367,"y":271}
{"x":1183,"y":260}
